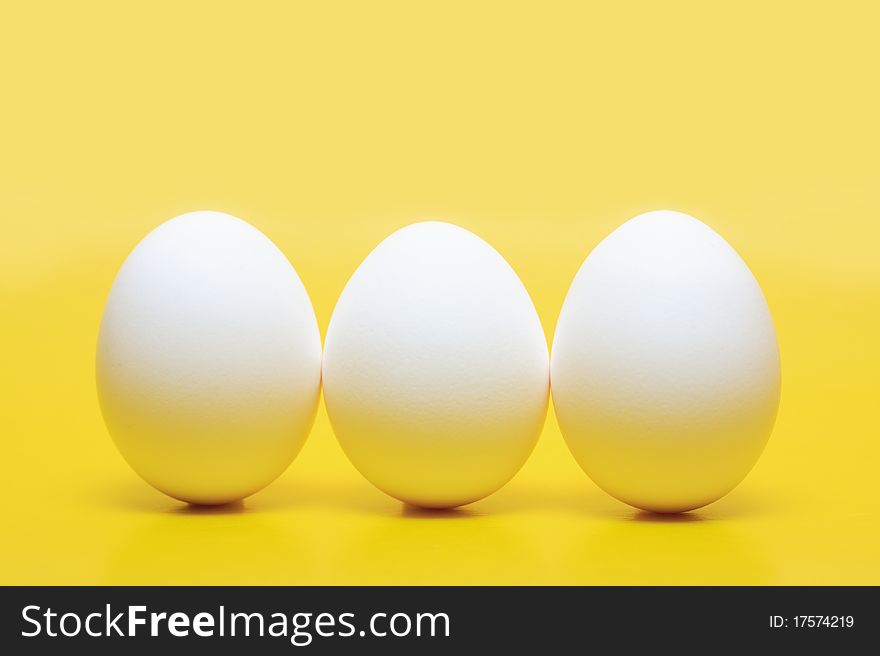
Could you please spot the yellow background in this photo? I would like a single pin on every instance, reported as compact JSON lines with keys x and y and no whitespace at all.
{"x":539,"y":126}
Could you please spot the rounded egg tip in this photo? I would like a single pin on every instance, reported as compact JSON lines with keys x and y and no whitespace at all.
{"x":435,"y":226}
{"x":667,"y":221}
{"x":668,"y":216}
{"x":204,"y":215}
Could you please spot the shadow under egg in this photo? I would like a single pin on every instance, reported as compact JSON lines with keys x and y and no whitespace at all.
{"x":411,"y":511}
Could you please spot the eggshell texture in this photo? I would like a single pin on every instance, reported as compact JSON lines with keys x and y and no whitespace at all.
{"x":209,"y":359}
{"x":436,"y":370}
{"x":665,"y":368}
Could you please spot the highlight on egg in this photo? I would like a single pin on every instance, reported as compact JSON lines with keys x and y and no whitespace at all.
{"x":208,"y":359}
{"x":436,"y":369}
{"x":665,"y":368}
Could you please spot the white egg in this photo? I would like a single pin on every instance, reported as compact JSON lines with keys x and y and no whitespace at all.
{"x":665,"y":367}
{"x":436,"y":370}
{"x":209,"y":359}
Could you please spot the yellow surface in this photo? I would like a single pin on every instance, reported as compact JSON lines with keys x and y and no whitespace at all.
{"x":539,"y":128}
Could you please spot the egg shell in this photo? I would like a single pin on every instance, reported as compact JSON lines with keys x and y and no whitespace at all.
{"x":665,"y":369}
{"x":436,"y":368}
{"x":209,"y":359}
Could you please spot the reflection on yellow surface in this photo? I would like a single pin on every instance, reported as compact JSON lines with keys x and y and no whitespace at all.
{"x":541,"y":129}
{"x":682,"y":550}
